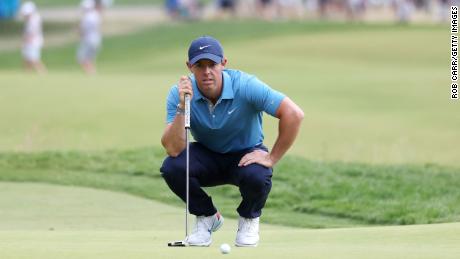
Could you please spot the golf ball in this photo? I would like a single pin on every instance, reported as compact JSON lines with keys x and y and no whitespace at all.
{"x":225,"y":248}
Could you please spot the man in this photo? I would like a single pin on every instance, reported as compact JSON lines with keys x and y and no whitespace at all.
{"x":226,"y":122}
{"x":32,"y":40}
{"x":90,"y":35}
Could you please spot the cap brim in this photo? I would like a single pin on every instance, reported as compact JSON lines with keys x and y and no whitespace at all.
{"x":210,"y":56}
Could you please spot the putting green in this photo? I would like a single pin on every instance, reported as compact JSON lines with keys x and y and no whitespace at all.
{"x":48,"y":221}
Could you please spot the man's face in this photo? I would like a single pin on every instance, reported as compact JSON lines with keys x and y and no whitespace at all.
{"x":208,"y":76}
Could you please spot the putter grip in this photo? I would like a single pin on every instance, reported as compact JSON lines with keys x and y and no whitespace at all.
{"x":187,"y":111}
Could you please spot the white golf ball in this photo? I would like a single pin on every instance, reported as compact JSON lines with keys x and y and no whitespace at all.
{"x":225,"y":248}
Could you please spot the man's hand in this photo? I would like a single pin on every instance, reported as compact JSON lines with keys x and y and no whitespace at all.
{"x":185,"y":87}
{"x":258,"y":156}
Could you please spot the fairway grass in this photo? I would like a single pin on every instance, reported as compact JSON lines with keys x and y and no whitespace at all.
{"x":369,"y":94}
{"x":378,"y":146}
{"x":69,"y":111}
{"x":54,"y":222}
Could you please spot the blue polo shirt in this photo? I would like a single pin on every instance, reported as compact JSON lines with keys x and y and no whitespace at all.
{"x":234,"y":123}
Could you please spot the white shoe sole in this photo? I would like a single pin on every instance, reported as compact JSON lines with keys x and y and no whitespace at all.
{"x":201,"y":244}
{"x":246,"y":245}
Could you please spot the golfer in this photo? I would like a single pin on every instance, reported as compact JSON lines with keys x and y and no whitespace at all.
{"x":226,"y":123}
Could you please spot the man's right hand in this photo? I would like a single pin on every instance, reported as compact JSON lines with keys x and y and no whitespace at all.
{"x":173,"y":139}
{"x":185,"y":87}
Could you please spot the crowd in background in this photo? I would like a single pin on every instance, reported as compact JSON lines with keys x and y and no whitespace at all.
{"x":355,"y":10}
{"x":89,"y":30}
{"x":271,"y":10}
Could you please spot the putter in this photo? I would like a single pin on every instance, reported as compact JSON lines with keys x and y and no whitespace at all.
{"x":183,"y":243}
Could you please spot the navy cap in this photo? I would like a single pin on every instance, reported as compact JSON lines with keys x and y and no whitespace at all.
{"x":205,"y":47}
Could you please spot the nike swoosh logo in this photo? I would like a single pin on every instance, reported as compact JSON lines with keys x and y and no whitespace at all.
{"x":231,"y":111}
{"x":203,"y":47}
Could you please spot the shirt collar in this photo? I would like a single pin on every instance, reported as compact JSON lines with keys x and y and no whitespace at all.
{"x":227,"y":92}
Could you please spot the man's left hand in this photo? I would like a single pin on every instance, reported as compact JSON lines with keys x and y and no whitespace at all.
{"x":258,"y":156}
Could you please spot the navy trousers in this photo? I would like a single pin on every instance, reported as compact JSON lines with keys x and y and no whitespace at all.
{"x":208,"y":168}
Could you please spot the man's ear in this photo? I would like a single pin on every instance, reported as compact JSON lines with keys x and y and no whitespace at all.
{"x":189,"y":66}
{"x":224,"y":62}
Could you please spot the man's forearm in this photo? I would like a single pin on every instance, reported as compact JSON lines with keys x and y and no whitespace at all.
{"x":288,"y":128}
{"x":173,"y":139}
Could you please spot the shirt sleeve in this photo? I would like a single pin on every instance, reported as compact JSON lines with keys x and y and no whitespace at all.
{"x":171,"y":104}
{"x":262,"y":97}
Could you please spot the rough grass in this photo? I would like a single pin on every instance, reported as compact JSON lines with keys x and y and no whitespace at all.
{"x":304,"y":194}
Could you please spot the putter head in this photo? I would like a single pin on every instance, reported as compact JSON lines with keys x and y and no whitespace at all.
{"x":177,"y":244}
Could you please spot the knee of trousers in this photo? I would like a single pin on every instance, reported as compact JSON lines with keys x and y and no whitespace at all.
{"x":173,"y":169}
{"x":258,"y":180}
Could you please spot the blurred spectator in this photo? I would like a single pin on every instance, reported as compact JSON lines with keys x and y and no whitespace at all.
{"x":32,"y":41}
{"x":226,"y":8}
{"x":173,"y":8}
{"x":265,"y":9}
{"x":190,"y":9}
{"x":290,"y":9}
{"x":422,"y":4}
{"x":184,"y":9}
{"x":312,"y":7}
{"x":356,"y":9}
{"x":323,"y":4}
{"x":444,"y":10}
{"x":404,"y":9}
{"x":90,"y":35}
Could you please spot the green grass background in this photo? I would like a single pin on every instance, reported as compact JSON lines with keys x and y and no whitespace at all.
{"x":370,"y":96}
{"x":72,"y":222}
{"x":99,"y":224}
{"x":379,"y":144}
{"x":305,"y":193}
